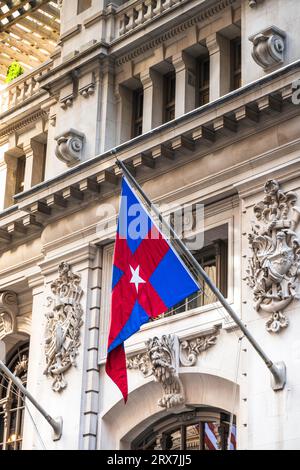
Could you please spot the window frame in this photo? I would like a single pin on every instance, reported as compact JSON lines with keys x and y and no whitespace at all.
{"x":169,"y":101}
{"x":137,"y":118}
{"x":168,"y":426}
{"x":202,"y":88}
{"x":235,"y":72}
{"x":7,"y":397}
{"x":20,"y":174}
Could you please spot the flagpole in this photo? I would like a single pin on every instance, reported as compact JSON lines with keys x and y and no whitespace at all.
{"x":56,"y":423}
{"x":278,"y":369}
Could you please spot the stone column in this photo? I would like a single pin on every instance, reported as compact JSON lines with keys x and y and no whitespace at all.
{"x":124,"y":99}
{"x":109,"y":111}
{"x":36,"y":381}
{"x":219,"y":52}
{"x":35,"y":159}
{"x":153,"y":99}
{"x":185,"y":97}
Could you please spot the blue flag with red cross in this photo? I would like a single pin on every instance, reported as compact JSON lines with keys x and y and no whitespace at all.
{"x":148,"y":278}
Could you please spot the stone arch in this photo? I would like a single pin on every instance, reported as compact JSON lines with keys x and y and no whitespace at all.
{"x":13,"y":328}
{"x":122,"y":424}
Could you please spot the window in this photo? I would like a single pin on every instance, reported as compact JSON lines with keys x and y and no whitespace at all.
{"x":137,"y":112}
{"x":203,"y":82}
{"x":20,"y":174}
{"x":189,"y":431}
{"x":169,"y":96}
{"x":12,"y":401}
{"x":83,"y":5}
{"x":213,"y":259}
{"x":236,"y":59}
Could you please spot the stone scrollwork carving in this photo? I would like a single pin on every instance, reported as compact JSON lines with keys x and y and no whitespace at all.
{"x":268,"y":47}
{"x":163,"y":358}
{"x":8,"y":313}
{"x":64,"y":321}
{"x":70,"y":146}
{"x":274,"y":267}
{"x":191,"y":349}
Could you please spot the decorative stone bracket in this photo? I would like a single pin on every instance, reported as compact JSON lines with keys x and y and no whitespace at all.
{"x":69,"y":146}
{"x":268,"y":47}
{"x":8,"y":312}
{"x":163,"y":358}
{"x":274,"y":267}
{"x":64,"y":321}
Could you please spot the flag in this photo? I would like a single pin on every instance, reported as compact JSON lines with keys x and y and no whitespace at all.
{"x":148,"y":278}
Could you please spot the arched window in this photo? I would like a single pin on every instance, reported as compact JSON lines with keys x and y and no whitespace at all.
{"x":12,"y":401}
{"x":201,"y":429}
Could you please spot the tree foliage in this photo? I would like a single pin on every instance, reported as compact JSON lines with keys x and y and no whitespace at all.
{"x":13,"y":71}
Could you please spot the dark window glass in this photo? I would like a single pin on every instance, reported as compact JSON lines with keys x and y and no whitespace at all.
{"x":236,"y":62}
{"x":20,"y":175}
{"x":169,"y":96}
{"x":203,"y":81}
{"x":137,"y":114}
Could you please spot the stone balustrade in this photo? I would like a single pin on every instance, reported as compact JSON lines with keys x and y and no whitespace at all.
{"x":22,"y":88}
{"x":139,"y":12}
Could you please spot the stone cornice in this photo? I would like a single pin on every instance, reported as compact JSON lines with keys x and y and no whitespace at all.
{"x":23,"y":122}
{"x":205,"y":14}
{"x":99,"y":177}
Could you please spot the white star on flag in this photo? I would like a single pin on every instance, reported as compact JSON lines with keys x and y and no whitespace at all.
{"x":136,"y":279}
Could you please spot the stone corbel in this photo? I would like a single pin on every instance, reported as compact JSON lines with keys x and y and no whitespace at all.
{"x":268,"y":47}
{"x":163,"y":358}
{"x":70,"y":146}
{"x":68,"y":94}
{"x":8,"y":313}
{"x":87,"y":85}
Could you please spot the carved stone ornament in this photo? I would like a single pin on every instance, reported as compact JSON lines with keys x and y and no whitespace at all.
{"x":8,"y":313}
{"x":64,"y":321}
{"x":69,"y":146}
{"x":254,"y":3}
{"x":274,"y":267}
{"x":163,"y":358}
{"x":268,"y":47}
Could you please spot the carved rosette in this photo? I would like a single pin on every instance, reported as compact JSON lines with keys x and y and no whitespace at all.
{"x":274,"y":267}
{"x":70,"y":146}
{"x":64,"y":321}
{"x":8,"y":313}
{"x":162,"y":360}
{"x":268,"y":47}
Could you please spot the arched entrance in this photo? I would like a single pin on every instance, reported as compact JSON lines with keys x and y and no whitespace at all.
{"x":138,"y":423}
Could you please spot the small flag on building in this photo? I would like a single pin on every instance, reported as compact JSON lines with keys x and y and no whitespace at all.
{"x":148,"y":278}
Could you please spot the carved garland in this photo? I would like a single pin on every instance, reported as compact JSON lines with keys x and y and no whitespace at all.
{"x":274,"y":267}
{"x":163,"y":358}
{"x":63,"y":326}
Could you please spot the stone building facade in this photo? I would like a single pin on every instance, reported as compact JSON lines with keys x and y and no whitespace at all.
{"x":199,"y":98}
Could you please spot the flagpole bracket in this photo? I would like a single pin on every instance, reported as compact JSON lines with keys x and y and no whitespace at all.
{"x":278,"y":377}
{"x":57,"y":426}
